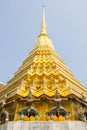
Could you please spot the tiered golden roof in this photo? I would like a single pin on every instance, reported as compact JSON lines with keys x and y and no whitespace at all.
{"x":45,"y":68}
{"x":42,"y":72}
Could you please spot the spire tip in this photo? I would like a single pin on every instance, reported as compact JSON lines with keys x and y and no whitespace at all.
{"x":43,"y":27}
{"x":43,"y":6}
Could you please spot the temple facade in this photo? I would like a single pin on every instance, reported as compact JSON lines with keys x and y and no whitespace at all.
{"x":43,"y":88}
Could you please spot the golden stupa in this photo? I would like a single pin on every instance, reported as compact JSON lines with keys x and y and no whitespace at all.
{"x":43,"y":88}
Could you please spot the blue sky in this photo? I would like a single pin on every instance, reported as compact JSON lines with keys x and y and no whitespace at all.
{"x":20,"y":22}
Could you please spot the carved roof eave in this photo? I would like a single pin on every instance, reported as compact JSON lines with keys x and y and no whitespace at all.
{"x":9,"y":94}
{"x":77,"y":90}
{"x":64,"y":93}
{"x":74,"y":81}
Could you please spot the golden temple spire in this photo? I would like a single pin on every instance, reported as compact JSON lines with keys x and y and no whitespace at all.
{"x":43,"y":38}
{"x":43,"y":26}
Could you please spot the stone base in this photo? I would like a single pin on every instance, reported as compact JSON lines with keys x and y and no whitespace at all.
{"x":44,"y":125}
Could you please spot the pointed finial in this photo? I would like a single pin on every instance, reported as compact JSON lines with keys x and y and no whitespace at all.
{"x":29,"y":94}
{"x":57,"y":93}
{"x":43,"y":27}
{"x":43,"y":7}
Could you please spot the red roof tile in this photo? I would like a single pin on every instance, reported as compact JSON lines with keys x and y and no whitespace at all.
{"x":1,"y":86}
